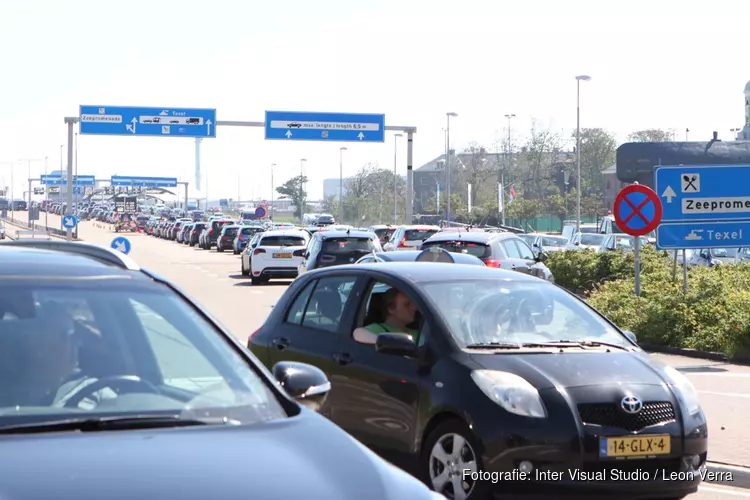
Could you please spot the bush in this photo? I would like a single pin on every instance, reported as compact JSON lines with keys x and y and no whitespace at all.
{"x":713,"y":316}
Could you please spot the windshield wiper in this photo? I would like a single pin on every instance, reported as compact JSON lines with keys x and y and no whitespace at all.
{"x":95,"y":424}
{"x":581,"y":343}
{"x":493,"y":345}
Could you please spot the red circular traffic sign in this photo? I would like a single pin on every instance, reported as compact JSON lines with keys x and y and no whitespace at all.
{"x":637,"y":210}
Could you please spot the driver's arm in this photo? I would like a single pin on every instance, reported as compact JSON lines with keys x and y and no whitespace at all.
{"x":364,"y":336}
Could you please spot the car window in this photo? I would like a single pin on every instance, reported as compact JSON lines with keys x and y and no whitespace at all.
{"x":511,"y":249}
{"x":419,"y":234}
{"x":467,"y":247}
{"x":524,"y":251}
{"x":230,"y":231}
{"x":326,"y":305}
{"x":548,"y":241}
{"x":297,"y":311}
{"x":283,"y":241}
{"x":347,"y":245}
{"x":58,"y":338}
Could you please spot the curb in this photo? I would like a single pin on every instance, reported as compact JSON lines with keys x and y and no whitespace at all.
{"x":728,"y":475}
{"x":696,"y":354}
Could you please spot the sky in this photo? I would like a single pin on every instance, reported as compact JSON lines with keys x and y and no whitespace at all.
{"x":666,"y":64}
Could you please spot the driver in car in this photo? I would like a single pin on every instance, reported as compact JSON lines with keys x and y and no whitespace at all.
{"x":399,"y":311}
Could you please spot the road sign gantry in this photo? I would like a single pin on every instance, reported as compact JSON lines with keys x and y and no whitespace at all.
{"x":140,"y":121}
{"x":333,"y":127}
{"x":705,"y":206}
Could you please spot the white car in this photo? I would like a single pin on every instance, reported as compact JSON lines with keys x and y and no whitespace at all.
{"x":278,"y":255}
{"x":2,"y":232}
{"x":247,"y":254}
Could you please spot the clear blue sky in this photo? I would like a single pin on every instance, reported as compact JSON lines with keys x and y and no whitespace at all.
{"x":668,"y":64}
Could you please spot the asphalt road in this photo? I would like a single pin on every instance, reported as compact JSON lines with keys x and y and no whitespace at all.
{"x":215,"y":281}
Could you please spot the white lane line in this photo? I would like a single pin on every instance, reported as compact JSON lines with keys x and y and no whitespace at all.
{"x":703,"y":374}
{"x":728,"y":394}
{"x":724,"y":491}
{"x":256,"y":292}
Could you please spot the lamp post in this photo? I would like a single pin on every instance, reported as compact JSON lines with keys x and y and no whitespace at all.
{"x":341,"y":183}
{"x":395,"y":178}
{"x":46,"y":196}
{"x":273,"y":166}
{"x":448,"y":117}
{"x":303,"y":194}
{"x":579,"y":78}
{"x":28,"y":164}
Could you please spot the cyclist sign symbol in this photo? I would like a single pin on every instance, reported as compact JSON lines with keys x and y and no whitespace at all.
{"x":637,"y":210}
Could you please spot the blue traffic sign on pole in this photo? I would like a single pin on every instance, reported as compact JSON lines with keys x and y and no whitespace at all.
{"x":58,"y":180}
{"x":70,"y":221}
{"x":162,"y":122}
{"x":334,"y":127}
{"x":121,"y":244}
{"x":705,"y":206}
{"x":638,"y":210}
{"x":121,"y":180}
{"x":260,"y":212}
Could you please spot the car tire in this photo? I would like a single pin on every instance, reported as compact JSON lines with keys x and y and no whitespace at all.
{"x":219,"y":248}
{"x":255,"y":281}
{"x":444,"y":435}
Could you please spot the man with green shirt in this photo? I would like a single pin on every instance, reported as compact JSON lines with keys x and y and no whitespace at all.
{"x":399,"y":311}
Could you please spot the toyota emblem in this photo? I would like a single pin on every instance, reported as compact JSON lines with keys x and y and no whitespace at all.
{"x":631,"y":404}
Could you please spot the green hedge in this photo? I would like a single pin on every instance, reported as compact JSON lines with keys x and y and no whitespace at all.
{"x":713,"y":316}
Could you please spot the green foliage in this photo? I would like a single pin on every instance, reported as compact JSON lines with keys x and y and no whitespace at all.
{"x":713,"y":316}
{"x":294,"y":189}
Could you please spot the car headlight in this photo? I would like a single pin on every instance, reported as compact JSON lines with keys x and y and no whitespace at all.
{"x":684,"y":389}
{"x":515,"y":394}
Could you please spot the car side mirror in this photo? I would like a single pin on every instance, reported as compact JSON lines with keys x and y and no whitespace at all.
{"x":307,"y":384}
{"x":631,"y":336}
{"x":542,"y":257}
{"x":298,"y":253}
{"x":395,"y":344}
{"x":577,"y":243}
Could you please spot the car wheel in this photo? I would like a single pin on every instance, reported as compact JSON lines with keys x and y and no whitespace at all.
{"x":448,"y":450}
{"x":255,"y":281}
{"x":219,"y":248}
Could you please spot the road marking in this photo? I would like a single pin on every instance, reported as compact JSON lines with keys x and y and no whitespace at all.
{"x":711,"y":489}
{"x":256,"y":292}
{"x":704,"y":374}
{"x":729,"y":394}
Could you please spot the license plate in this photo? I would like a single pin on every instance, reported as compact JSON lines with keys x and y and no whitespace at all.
{"x":635,"y":446}
{"x":282,"y":256}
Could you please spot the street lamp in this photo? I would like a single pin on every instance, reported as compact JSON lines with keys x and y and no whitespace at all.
{"x":273,"y":165}
{"x":341,"y":183}
{"x":28,"y":163}
{"x":579,"y":78}
{"x":395,"y":184}
{"x":302,"y":188}
{"x":448,"y":164}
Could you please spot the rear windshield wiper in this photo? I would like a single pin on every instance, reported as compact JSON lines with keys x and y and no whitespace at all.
{"x":95,"y":424}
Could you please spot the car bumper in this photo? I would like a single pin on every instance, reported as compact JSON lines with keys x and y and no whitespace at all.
{"x":564,"y":456}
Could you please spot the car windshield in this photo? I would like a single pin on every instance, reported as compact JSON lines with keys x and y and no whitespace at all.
{"x":551,"y":241}
{"x":627,"y":241}
{"x":589,"y":229}
{"x":517,"y":312}
{"x":592,"y":239}
{"x":93,"y":348}
{"x":346,"y":245}
{"x":528,"y":238}
{"x":418,"y":234}
{"x":725,"y":252}
{"x":472,"y":248}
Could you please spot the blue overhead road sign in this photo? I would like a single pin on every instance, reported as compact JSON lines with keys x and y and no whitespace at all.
{"x":723,"y":234}
{"x":70,"y":221}
{"x":57,"y":180}
{"x":334,"y":127}
{"x":122,"y":180}
{"x":163,"y":122}
{"x":706,"y":192}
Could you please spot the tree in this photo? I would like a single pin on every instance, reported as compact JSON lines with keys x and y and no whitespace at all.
{"x":598,"y":149}
{"x":294,"y":190}
{"x":479,"y":167}
{"x":524,"y":210}
{"x":651,"y":135}
{"x":539,"y":154}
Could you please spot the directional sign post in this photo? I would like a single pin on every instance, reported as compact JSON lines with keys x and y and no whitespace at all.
{"x":120,"y":180}
{"x":121,"y":244}
{"x":705,"y":206}
{"x":133,"y":121}
{"x":70,"y":221}
{"x":58,"y":180}
{"x":333,"y":127}
{"x":637,"y":212}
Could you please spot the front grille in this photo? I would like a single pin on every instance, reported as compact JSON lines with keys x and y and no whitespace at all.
{"x":611,"y":415}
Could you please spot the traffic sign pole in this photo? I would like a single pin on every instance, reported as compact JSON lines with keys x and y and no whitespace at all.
{"x":637,"y":212}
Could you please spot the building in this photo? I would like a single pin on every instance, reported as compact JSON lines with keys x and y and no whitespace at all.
{"x":612,"y":186}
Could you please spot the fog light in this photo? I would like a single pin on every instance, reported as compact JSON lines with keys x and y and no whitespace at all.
{"x":691,"y":461}
{"x":526,"y":467}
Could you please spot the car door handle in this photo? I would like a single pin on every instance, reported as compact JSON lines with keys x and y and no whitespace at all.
{"x":342,"y":358}
{"x":280,"y":343}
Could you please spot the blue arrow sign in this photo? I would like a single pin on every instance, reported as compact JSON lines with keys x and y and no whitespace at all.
{"x":57,"y":180}
{"x":724,"y":234}
{"x":705,"y":192}
{"x":162,"y":122}
{"x":70,"y":221}
{"x":121,"y":244}
{"x":334,"y":127}
{"x":120,"y":180}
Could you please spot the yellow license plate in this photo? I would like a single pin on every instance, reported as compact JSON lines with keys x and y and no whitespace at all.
{"x":282,"y":256}
{"x":635,"y":446}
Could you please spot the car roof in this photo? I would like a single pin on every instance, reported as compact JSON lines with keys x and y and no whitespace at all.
{"x":286,"y":232}
{"x":463,"y":236}
{"x":411,"y":256}
{"x":354,"y":233}
{"x":429,"y":272}
{"x":22,"y":261}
